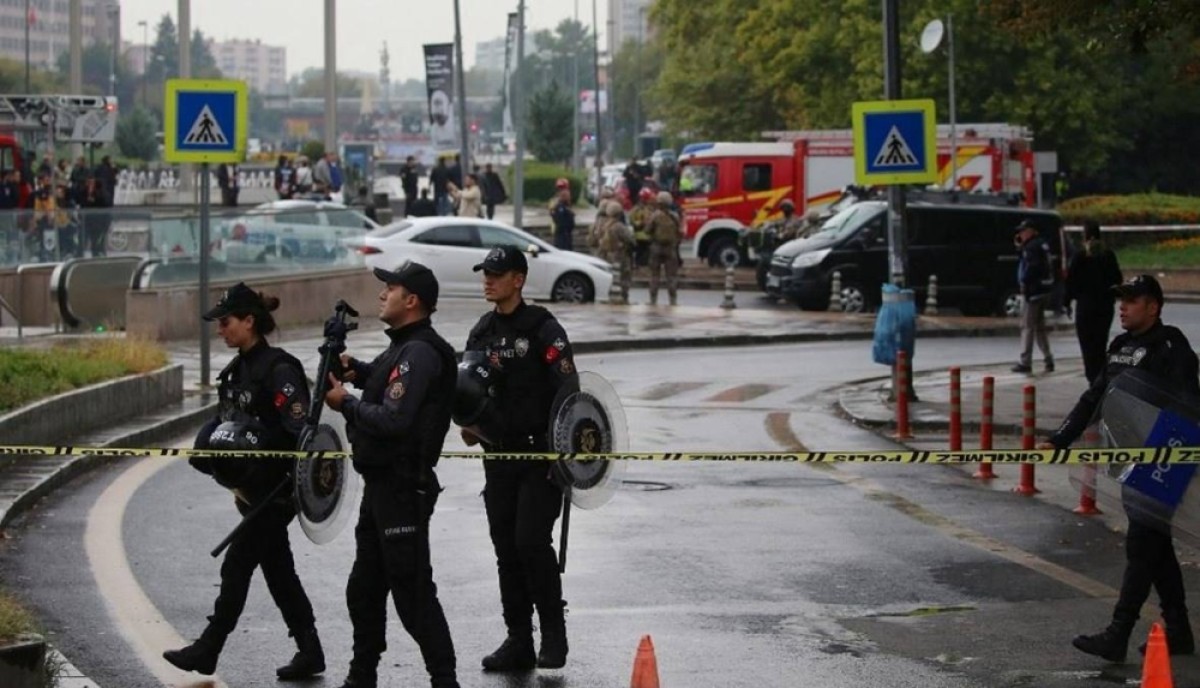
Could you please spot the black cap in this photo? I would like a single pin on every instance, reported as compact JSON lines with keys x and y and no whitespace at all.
{"x":503,"y":259}
{"x":414,"y":277}
{"x":1024,"y":225}
{"x":237,"y":300}
{"x":1142,"y":285}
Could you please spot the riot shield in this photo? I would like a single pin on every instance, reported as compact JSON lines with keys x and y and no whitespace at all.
{"x":585,"y":421}
{"x":325,"y":490}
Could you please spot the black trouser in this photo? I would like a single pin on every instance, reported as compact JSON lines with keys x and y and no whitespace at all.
{"x":392,"y":555}
{"x":1092,"y":323}
{"x":264,"y":543}
{"x":1150,"y":562}
{"x":409,"y":200}
{"x":522,"y":505}
{"x":491,"y":209}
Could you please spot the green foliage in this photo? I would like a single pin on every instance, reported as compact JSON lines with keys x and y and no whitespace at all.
{"x":1167,"y":254}
{"x":97,"y":59}
{"x":311,"y":84}
{"x":28,"y":375}
{"x":1120,"y":113}
{"x":635,"y":70}
{"x":1137,"y":209}
{"x":15,"y":620}
{"x":549,"y":128}
{"x":136,"y":135}
{"x":540,"y":178}
{"x":12,"y":78}
{"x":313,"y":150}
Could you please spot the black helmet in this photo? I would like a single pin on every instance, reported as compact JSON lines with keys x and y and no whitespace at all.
{"x":478,"y":385}
{"x":232,"y":471}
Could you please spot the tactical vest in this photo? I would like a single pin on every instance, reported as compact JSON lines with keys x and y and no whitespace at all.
{"x":526,"y":387}
{"x":664,"y":226}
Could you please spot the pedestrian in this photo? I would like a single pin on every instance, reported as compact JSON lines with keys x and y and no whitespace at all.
{"x":469,"y":198}
{"x":396,"y":430}
{"x":529,"y":350}
{"x":96,"y":217}
{"x":227,"y":181}
{"x":1035,"y":276}
{"x":613,"y":242}
{"x":439,"y":179}
{"x":263,"y":399}
{"x":409,"y":176}
{"x":494,"y":192}
{"x":322,"y":174}
{"x":562,"y":216}
{"x":1090,"y":278}
{"x":302,"y":177}
{"x":665,"y":230}
{"x":456,"y":172}
{"x":633,"y":178}
{"x":1150,"y":561}
{"x":424,"y":206}
{"x":283,"y":178}
{"x":336,"y":178}
{"x":107,"y":173}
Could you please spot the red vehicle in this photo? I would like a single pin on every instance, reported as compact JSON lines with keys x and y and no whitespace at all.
{"x":725,"y":187}
{"x":26,"y":121}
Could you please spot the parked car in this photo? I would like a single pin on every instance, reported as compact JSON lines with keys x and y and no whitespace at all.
{"x":298,"y":230}
{"x":452,"y":246}
{"x":609,"y":176}
{"x":969,"y":248}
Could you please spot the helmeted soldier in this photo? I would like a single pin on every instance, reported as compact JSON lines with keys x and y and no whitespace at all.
{"x":789,"y":224}
{"x":638,"y":215}
{"x":665,"y":230}
{"x":615,"y":244}
{"x":264,"y":399}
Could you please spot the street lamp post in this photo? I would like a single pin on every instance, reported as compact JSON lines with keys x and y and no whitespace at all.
{"x":145,"y":53}
{"x":931,"y":38}
{"x":637,"y":99}
{"x":113,"y":13}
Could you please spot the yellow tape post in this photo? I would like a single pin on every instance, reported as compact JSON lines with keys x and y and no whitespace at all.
{"x":1120,"y":456}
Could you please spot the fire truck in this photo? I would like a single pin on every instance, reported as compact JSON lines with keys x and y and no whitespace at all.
{"x":726,"y":187}
{"x":28,"y":123}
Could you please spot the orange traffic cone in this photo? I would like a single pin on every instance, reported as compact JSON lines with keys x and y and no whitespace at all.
{"x":1156,"y":670}
{"x":645,"y":666}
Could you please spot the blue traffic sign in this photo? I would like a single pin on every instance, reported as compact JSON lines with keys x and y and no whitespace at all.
{"x":895,"y":142}
{"x":205,"y":121}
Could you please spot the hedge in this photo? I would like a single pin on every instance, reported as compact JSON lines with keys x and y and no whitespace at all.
{"x":1135,"y":209}
{"x":539,"y":182}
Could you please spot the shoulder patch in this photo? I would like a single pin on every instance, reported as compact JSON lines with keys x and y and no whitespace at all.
{"x":394,"y":374}
{"x":551,"y":354}
{"x":566,"y":366}
{"x":395,"y":390}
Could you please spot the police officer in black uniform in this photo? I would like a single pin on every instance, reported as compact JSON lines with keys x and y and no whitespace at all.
{"x":397,"y":430}
{"x":1161,"y":349}
{"x":530,"y":351}
{"x":263,"y":401}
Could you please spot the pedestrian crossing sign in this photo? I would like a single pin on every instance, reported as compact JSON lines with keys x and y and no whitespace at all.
{"x":895,"y":142}
{"x":205,"y":120}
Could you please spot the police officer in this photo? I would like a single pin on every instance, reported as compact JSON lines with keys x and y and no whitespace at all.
{"x":1161,"y":349}
{"x":263,"y":401}
{"x":396,"y":431}
{"x":665,"y":229}
{"x":531,"y":353}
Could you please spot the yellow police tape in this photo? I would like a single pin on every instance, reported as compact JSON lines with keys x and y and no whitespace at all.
{"x":1131,"y":456}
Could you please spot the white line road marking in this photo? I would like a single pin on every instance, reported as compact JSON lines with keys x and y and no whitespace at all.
{"x":135,"y":616}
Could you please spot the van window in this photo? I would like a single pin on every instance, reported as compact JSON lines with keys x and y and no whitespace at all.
{"x":849,"y":220}
{"x":756,"y":177}
{"x":698,"y":180}
{"x":936,"y":227}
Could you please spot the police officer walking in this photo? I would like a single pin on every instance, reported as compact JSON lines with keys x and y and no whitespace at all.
{"x":1161,"y":349}
{"x":1093,"y":273}
{"x":529,"y":349}
{"x":396,"y":431}
{"x":664,"y":227}
{"x":263,"y":401}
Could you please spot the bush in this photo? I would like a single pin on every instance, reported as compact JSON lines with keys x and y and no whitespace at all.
{"x":14,"y":619}
{"x":1134,"y":209}
{"x":313,"y":150}
{"x":29,"y":375}
{"x":539,"y":182}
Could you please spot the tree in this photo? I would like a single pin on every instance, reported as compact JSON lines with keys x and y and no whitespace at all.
{"x":12,"y":78}
{"x":549,"y":128}
{"x":311,"y":84}
{"x":313,"y":150}
{"x":97,"y":60}
{"x":136,"y":135}
{"x":635,"y":71}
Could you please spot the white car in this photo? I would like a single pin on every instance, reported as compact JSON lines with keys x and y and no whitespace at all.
{"x":299,"y":230}
{"x":453,"y":246}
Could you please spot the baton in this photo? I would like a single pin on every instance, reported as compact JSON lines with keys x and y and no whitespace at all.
{"x":258,"y":509}
{"x":566,"y":530}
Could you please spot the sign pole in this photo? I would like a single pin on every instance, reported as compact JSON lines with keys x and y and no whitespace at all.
{"x":518,"y":118}
{"x":897,"y":239}
{"x":204,"y":255}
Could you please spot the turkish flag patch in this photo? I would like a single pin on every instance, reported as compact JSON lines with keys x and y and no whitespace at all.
{"x":393,"y":375}
{"x":551,"y":354}
{"x":280,"y":399}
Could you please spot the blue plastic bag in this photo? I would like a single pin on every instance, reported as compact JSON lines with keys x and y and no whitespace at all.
{"x":895,"y":325}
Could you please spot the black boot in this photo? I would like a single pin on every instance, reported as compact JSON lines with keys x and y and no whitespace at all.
{"x":553,"y":654}
{"x":308,"y":661}
{"x":200,"y":657}
{"x":1179,"y":634}
{"x":1110,"y":644}
{"x":358,"y":682}
{"x":514,"y":654}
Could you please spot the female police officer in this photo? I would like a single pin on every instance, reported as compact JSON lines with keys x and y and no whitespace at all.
{"x":263,"y":400}
{"x":530,"y":349}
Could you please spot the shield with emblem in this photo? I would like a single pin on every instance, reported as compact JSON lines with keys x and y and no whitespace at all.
{"x":589,"y":420}
{"x":325,"y":489}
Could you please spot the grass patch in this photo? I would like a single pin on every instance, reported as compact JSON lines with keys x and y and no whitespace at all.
{"x":1169,"y":254}
{"x":28,"y":375}
{"x":1133,"y":209}
{"x":15,"y":620}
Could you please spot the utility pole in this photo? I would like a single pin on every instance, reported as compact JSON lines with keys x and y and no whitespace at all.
{"x":28,"y":17}
{"x":330,"y":77}
{"x":518,"y":116}
{"x":596,"y":75}
{"x":187,"y":171}
{"x":575,"y":163}
{"x":897,"y":239}
{"x":464,"y":165}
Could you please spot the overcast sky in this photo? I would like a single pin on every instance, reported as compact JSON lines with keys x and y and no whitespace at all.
{"x":362,"y":26}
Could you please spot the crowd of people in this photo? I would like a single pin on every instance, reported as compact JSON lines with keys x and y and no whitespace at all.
{"x":63,"y":212}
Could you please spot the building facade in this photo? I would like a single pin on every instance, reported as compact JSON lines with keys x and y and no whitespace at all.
{"x":49,"y":33}
{"x":262,"y":67}
{"x":628,"y":21}
{"x":489,"y":55}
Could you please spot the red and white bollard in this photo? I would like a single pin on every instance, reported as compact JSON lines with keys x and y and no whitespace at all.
{"x":985,"y":428}
{"x":1025,"y":484}
{"x":955,"y":409}
{"x":902,"y":431}
{"x":1087,"y":490}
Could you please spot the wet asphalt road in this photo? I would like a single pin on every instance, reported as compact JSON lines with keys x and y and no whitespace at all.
{"x":745,"y":575}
